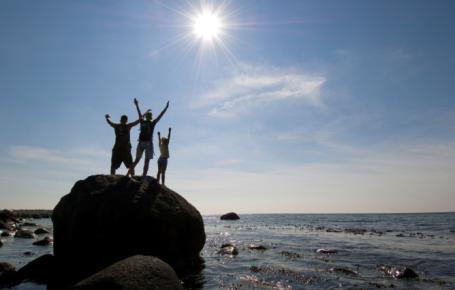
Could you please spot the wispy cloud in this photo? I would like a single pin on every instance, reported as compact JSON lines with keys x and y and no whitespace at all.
{"x":251,"y":85}
{"x":72,"y":157}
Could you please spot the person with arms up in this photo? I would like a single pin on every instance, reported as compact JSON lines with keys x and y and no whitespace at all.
{"x":145,"y":142}
{"x":164,"y":156}
{"x":121,"y":152}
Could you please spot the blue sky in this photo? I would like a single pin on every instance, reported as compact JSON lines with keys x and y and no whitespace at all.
{"x":307,"y":106}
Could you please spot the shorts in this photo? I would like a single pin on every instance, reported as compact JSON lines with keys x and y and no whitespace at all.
{"x":162,"y":162}
{"x":146,"y":146}
{"x":120,"y":155}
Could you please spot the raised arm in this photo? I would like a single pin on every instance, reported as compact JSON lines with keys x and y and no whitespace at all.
{"x":108,"y":120}
{"x":169,"y":136}
{"x":162,"y":112}
{"x":159,"y":137}
{"x":137,"y":108}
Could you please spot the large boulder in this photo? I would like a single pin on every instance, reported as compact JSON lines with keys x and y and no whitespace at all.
{"x":137,"y":272}
{"x":230,"y":216}
{"x":106,"y":218}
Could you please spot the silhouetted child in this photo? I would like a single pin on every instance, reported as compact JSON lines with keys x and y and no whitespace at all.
{"x":164,"y":155}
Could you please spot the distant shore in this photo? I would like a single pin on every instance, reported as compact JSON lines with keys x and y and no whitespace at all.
{"x":32,"y":213}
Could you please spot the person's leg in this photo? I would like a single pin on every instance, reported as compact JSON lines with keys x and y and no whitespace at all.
{"x":139,"y":151}
{"x":163,"y":170}
{"x":158,"y":174}
{"x":163,"y":177}
{"x":128,"y":160}
{"x":116,"y":160}
{"x":148,"y":156}
{"x":146,"y":166}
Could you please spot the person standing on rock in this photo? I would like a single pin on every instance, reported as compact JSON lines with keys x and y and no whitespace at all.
{"x":164,"y":155}
{"x":121,"y":152}
{"x":145,"y":142}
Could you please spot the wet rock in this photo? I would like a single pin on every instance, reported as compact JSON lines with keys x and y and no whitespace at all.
{"x":257,"y":247}
{"x":29,"y":253}
{"x":330,"y":230}
{"x":29,"y":224}
{"x":6,"y":234}
{"x":346,"y":271}
{"x":44,"y":242}
{"x":39,"y":270}
{"x":5,"y":267}
{"x":228,"y":249}
{"x":137,"y":272}
{"x":230,"y":216}
{"x":355,"y":231}
{"x":24,"y":234}
{"x":6,"y":226}
{"x":291,"y":255}
{"x":160,"y":223}
{"x":398,"y":272}
{"x":40,"y":231}
{"x":1,"y":243}
{"x":326,"y":251}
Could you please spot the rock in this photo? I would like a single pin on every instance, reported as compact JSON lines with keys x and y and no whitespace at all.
{"x":24,"y":234}
{"x":87,"y":222}
{"x":291,"y":255}
{"x":6,"y":234}
{"x":29,"y":224}
{"x":228,"y":249}
{"x":137,"y":272}
{"x":398,"y":272}
{"x":39,"y":270}
{"x":5,"y":267}
{"x":28,"y":253}
{"x":44,"y":242}
{"x":344,"y":271}
{"x":257,"y":247}
{"x":230,"y":216}
{"x":1,"y":243}
{"x":326,"y":251}
{"x":40,"y":231}
{"x":6,"y":226}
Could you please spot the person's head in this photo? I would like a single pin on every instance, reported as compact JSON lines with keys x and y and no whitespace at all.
{"x":164,"y":140}
{"x":148,"y":116}
{"x":123,"y":119}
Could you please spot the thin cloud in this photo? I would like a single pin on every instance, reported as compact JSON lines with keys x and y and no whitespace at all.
{"x":74,"y":157}
{"x":254,"y":85}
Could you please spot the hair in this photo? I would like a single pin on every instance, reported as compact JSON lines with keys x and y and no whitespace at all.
{"x":124,"y":118}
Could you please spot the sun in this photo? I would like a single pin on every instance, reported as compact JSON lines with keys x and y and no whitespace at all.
{"x":207,"y":26}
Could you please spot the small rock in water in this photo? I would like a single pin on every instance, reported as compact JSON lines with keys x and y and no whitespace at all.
{"x":230,"y":216}
{"x":291,"y":255}
{"x":24,"y":234}
{"x":398,"y":272}
{"x":5,"y":267}
{"x":29,"y":224}
{"x":44,"y":242}
{"x":344,"y":271}
{"x":6,"y":234}
{"x":1,"y":243}
{"x":355,"y":231}
{"x":326,"y":251}
{"x":40,"y":231}
{"x":257,"y":247}
{"x":228,"y":249}
{"x":28,"y":253}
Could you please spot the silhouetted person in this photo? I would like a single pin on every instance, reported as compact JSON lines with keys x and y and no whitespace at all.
{"x":121,"y":152}
{"x":164,"y":155}
{"x":145,"y":138}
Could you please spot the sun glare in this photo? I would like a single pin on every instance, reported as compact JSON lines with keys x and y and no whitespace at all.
{"x":207,"y":26}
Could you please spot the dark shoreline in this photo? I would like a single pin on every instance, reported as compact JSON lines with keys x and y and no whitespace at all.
{"x":32,"y":213}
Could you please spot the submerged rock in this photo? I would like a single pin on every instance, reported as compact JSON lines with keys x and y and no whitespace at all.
{"x":1,"y":243}
{"x":160,"y":223}
{"x":24,"y":234}
{"x":6,"y":234}
{"x":291,"y":255}
{"x":44,"y":242}
{"x":228,"y":249}
{"x":346,"y":271}
{"x":398,"y":272}
{"x":230,"y":216}
{"x":257,"y":247}
{"x":137,"y":272}
{"x":40,"y":231}
{"x":326,"y":251}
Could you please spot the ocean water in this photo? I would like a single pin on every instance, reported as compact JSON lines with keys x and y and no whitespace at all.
{"x":363,"y":242}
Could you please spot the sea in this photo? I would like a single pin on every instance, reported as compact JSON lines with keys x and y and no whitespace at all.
{"x":280,"y":251}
